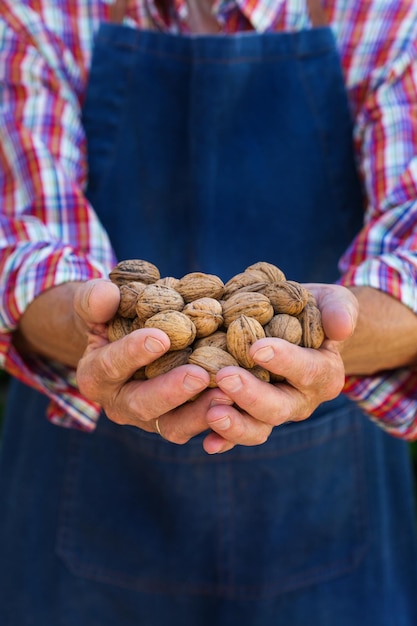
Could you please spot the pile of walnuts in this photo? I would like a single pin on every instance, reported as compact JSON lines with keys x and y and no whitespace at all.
{"x":211,"y":323}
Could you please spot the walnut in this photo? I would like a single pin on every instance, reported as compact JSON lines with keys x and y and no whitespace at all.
{"x":218,"y":339}
{"x":197,"y":285}
{"x":168,"y":281}
{"x":272,"y":273}
{"x":212,"y":360}
{"x":286,"y":297}
{"x":129,"y":293}
{"x":243,"y":281}
{"x":137,"y":323}
{"x":134,"y":270}
{"x":139,"y":374}
{"x":241,"y":334}
{"x":178,"y":326}
{"x":119,"y":327}
{"x":313,"y":332}
{"x":251,"y":304}
{"x":286,"y":327}
{"x":206,"y":313}
{"x":167,"y":362}
{"x":155,"y":298}
{"x":261,"y":373}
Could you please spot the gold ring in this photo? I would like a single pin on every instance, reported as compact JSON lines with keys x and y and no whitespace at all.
{"x":157,"y":429}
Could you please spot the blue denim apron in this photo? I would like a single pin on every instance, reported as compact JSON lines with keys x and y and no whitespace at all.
{"x":210,"y":153}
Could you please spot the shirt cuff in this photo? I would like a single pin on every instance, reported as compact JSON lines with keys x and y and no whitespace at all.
{"x":394,"y":274}
{"x":67,"y":406}
{"x":34,"y":268}
{"x":388,"y":398}
{"x":42,"y":269}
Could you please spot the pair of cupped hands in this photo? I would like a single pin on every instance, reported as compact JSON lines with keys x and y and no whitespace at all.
{"x":242,"y":410}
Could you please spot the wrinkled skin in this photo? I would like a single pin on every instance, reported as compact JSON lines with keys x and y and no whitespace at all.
{"x":243,"y":409}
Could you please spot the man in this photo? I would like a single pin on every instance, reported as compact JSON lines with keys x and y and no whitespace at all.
{"x":196,"y":150}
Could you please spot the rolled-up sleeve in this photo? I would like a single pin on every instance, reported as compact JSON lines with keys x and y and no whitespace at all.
{"x":49,"y":234}
{"x":384,"y":254}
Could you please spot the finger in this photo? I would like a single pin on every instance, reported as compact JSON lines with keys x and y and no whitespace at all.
{"x":264,"y":401}
{"x":144,"y":401}
{"x":231,"y":427}
{"x":215,"y":444}
{"x":102,"y":369}
{"x":304,"y":368}
{"x":97,"y":301}
{"x":190,"y":419}
{"x":339,"y":310}
{"x":313,"y":376}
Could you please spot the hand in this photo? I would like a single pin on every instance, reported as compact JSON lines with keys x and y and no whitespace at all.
{"x":104,"y":373}
{"x":312,"y":377}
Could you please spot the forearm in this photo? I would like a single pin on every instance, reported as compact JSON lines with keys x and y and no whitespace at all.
{"x":49,"y":327}
{"x":58,"y":323}
{"x":385,"y":337}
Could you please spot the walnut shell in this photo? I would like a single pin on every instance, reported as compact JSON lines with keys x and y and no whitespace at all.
{"x":167,"y":362}
{"x":212,"y":360}
{"x":241,"y":334}
{"x":272,"y":273}
{"x":168,"y":281}
{"x":178,"y":326}
{"x":139,"y":374}
{"x":119,"y":327}
{"x":137,"y":323}
{"x":311,"y":299}
{"x":218,"y":339}
{"x":286,"y":327}
{"x":241,"y":281}
{"x":313,"y":332}
{"x":250,"y":287}
{"x":276,"y":378}
{"x":287,"y":297}
{"x":197,"y":285}
{"x":251,"y":304}
{"x":134,"y":270}
{"x":129,"y":293}
{"x":155,"y":298}
{"x":206,"y":313}
{"x":261,"y":373}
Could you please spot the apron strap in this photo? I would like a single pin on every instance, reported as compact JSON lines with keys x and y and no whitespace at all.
{"x":315,"y":11}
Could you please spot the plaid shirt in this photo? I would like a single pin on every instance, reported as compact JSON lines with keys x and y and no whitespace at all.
{"x":50,"y":235}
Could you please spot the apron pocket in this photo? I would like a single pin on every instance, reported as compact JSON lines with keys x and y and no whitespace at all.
{"x":141,"y":513}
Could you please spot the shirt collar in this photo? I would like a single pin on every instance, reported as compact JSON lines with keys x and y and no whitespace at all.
{"x":261,"y":14}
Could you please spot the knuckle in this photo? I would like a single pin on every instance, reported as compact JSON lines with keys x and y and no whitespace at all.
{"x":86,"y":383}
{"x":177,"y":438}
{"x":117,"y":417}
{"x":261,"y":437}
{"x":335,"y":387}
{"x":310,"y":374}
{"x":109,"y":366}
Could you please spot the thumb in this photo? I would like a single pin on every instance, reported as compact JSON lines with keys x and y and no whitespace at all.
{"x":339,"y":310}
{"x":96,"y":301}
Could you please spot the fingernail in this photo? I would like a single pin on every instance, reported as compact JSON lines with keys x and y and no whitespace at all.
{"x":221,"y":424}
{"x":154,"y":345}
{"x":219,"y":401}
{"x":264,"y":354}
{"x":231,"y":383}
{"x":191,"y":383}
